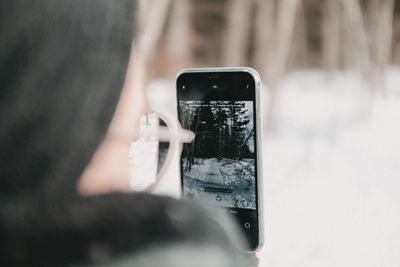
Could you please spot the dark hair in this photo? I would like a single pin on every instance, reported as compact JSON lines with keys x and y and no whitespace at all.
{"x":62,"y":67}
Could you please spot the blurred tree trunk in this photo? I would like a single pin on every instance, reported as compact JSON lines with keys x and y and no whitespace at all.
{"x":395,"y":60}
{"x":151,"y":26}
{"x":331,"y":35}
{"x":299,"y":51}
{"x":379,"y":23}
{"x":273,"y":47}
{"x":264,"y":32}
{"x":355,"y":43}
{"x":208,"y":28}
{"x":284,"y":25}
{"x":236,"y":41}
{"x":178,"y":34}
{"x":356,"y":56}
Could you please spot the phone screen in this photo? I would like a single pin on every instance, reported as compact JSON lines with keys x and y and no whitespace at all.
{"x":219,"y":167}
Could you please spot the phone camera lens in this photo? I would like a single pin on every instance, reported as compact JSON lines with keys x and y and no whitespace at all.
{"x":213,"y":76}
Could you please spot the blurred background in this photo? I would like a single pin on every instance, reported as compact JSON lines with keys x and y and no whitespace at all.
{"x":330,"y":107}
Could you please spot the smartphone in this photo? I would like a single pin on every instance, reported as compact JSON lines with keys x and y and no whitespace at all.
{"x":222,"y":165}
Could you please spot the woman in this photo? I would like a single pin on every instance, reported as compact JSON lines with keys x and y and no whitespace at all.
{"x":63,"y":64}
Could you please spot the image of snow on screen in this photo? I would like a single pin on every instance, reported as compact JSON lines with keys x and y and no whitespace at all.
{"x":218,"y":166}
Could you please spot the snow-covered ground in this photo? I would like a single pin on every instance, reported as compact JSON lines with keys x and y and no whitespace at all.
{"x":225,"y":182}
{"x":331,"y":171}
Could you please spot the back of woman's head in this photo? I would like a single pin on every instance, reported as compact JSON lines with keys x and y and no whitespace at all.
{"x":62,"y":67}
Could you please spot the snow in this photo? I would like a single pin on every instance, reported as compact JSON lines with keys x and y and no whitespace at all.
{"x":331,"y":168}
{"x":231,"y":183}
{"x":332,"y":174}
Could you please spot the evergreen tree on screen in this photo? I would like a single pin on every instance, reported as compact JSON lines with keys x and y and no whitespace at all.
{"x":239,"y":121}
{"x":222,"y":130}
{"x":206,"y":134}
{"x":188,"y":118}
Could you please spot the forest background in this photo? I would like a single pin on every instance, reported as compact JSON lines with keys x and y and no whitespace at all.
{"x":273,"y":36}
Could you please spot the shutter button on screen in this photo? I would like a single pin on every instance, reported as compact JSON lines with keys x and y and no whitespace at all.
{"x":247,"y":225}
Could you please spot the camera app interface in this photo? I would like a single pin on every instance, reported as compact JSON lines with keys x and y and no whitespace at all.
{"x":218,"y":167}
